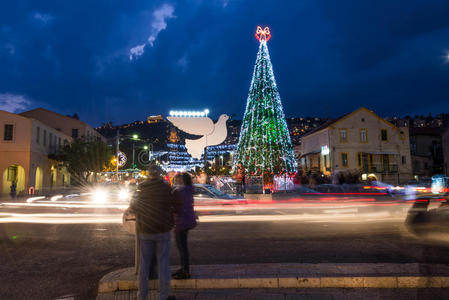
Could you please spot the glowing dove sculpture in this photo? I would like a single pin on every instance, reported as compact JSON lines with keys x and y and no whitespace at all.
{"x":198,"y":124}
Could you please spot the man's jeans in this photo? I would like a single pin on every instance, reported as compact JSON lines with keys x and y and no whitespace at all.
{"x":159,"y":242}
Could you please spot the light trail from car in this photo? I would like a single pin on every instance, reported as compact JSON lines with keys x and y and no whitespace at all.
{"x":67,"y":205}
{"x":69,"y":218}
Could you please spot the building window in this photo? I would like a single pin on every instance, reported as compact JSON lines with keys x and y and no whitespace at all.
{"x":403,"y":160}
{"x":74,"y":133}
{"x":413,"y":147}
{"x":344,"y":159}
{"x":363,"y":119}
{"x":343,"y":135}
{"x":386,"y":162}
{"x":45,"y":137}
{"x":38,"y":135}
{"x":402,"y":135}
{"x":12,"y":173}
{"x":417,"y":165}
{"x":50,"y":139}
{"x":363,"y":136}
{"x":383,"y":135}
{"x":59,"y":142}
{"x":8,"y":132}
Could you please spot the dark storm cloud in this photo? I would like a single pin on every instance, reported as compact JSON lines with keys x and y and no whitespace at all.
{"x":74,"y":56}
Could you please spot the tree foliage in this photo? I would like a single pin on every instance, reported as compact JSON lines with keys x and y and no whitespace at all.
{"x":81,"y":158}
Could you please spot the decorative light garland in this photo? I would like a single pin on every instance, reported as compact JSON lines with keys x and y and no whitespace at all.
{"x":263,"y":34}
{"x":264,"y":144}
{"x":197,"y":114}
{"x":121,"y":159}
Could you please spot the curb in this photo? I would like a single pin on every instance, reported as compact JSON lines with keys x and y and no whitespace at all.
{"x":287,"y":282}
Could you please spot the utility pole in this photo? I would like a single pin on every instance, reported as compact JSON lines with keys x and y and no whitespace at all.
{"x":205,"y":155}
{"x":135,"y":138}
{"x":134,"y":166}
{"x":150,"y":152}
{"x":118,"y":150}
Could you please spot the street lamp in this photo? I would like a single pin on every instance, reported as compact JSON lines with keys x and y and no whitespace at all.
{"x":135,"y":137}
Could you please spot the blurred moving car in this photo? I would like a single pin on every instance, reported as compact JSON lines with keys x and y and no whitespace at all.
{"x":111,"y":192}
{"x":206,"y":194}
{"x":335,"y":192}
{"x":439,"y":184}
{"x":429,"y":214}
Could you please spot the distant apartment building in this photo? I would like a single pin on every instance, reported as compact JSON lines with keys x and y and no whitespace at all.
{"x":25,"y":145}
{"x":155,"y":119}
{"x":438,"y":121}
{"x":445,"y":147}
{"x":67,"y":125}
{"x":426,"y":151}
{"x":300,"y":126}
{"x":359,"y":141}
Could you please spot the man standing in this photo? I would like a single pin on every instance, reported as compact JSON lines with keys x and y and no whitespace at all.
{"x":13,"y":189}
{"x":239,"y":178}
{"x":154,"y":206}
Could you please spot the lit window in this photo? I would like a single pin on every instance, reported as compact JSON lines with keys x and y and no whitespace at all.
{"x":12,"y":173}
{"x":363,"y":136}
{"x":343,"y":136}
{"x":344,"y":159}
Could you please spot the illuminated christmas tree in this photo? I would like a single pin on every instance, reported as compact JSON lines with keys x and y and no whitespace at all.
{"x":264,"y":144}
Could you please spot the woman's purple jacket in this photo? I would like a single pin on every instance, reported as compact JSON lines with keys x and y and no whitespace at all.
{"x":185,"y":218}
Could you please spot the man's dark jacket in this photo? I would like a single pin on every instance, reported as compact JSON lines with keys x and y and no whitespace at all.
{"x":155,"y":205}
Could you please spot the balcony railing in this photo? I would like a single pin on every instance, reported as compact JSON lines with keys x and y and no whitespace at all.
{"x":380,"y":168}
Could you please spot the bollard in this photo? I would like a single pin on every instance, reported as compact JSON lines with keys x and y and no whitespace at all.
{"x":127,"y":219}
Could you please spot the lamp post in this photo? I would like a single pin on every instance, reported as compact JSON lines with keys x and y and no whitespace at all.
{"x":149,"y":147}
{"x":118,"y":151}
{"x":135,"y":137}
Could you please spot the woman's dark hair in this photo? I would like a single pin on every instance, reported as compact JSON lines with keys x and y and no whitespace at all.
{"x":186,"y":179}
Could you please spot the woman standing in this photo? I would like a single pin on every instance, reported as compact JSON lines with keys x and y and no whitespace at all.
{"x":185,"y":220}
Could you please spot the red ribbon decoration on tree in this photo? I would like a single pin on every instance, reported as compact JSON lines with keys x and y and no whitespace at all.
{"x":262,"y":34}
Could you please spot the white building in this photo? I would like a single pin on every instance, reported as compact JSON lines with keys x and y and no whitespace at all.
{"x":25,"y":144}
{"x":359,"y":141}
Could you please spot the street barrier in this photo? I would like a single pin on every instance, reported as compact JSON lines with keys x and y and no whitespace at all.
{"x":129,"y":223}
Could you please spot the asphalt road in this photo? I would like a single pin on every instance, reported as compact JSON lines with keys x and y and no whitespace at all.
{"x":46,"y":261}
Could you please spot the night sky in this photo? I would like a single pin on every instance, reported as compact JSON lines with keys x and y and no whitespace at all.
{"x":121,"y":61}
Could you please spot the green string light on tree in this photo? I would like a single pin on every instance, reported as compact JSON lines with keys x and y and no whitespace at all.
{"x":264,"y":144}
